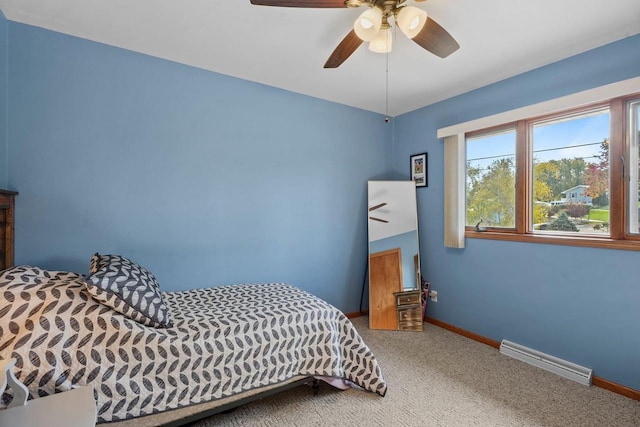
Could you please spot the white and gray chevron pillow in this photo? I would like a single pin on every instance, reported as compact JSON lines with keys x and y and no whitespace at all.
{"x":128,"y":288}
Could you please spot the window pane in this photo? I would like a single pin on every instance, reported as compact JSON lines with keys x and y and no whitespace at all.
{"x":634,"y":168}
{"x":571,"y":174}
{"x":491,"y":179}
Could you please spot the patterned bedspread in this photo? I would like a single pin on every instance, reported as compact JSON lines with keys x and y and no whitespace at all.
{"x":225,"y":340}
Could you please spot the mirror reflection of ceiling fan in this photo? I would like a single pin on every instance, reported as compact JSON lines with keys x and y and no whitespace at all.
{"x":373,"y":26}
{"x":373,"y":208}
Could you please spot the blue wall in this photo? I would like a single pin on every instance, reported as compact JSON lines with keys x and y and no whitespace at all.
{"x":4,"y":142}
{"x":202,"y":178}
{"x":518,"y":291}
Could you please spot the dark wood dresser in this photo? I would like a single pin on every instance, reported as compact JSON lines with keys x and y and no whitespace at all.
{"x":409,"y":310}
{"x":7,"y":224}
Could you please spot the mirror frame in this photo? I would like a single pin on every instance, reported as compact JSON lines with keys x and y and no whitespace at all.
{"x":392,"y":216}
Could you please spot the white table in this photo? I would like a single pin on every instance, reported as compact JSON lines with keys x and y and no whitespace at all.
{"x":72,"y":408}
{"x":75,"y":408}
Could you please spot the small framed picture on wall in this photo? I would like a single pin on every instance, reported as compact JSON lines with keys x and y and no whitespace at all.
{"x":419,"y":169}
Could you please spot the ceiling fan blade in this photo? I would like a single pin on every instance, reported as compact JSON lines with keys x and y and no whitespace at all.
{"x":373,"y":208}
{"x":436,"y":39}
{"x":347,"y":46}
{"x":300,"y":3}
{"x":378,"y":219}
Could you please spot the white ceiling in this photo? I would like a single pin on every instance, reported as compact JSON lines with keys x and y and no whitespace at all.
{"x":287,"y":47}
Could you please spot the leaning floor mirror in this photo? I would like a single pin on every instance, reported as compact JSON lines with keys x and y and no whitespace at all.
{"x":394,"y":257}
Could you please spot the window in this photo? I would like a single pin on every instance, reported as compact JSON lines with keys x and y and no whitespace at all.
{"x":491,"y":179}
{"x":572,"y":177}
{"x":571,"y":173}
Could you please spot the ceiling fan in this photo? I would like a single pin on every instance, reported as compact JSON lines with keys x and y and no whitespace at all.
{"x":373,"y":208}
{"x":373,"y":26}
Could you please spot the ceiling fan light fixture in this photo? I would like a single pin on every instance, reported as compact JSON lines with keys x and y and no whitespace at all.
{"x":411,"y":20}
{"x":383,"y":41}
{"x":353,"y":3}
{"x":367,"y":26}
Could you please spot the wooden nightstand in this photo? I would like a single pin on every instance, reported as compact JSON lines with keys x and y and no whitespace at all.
{"x":409,"y":310}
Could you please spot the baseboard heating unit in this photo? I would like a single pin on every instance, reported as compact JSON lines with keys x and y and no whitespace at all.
{"x":548,"y":363}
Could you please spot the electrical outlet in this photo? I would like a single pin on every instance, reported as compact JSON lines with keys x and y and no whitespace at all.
{"x":433,"y":295}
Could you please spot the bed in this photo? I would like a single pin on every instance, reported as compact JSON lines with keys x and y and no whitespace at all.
{"x":214,"y":343}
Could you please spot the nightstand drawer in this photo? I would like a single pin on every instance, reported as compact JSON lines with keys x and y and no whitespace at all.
{"x":410,"y":326}
{"x":412,"y":313}
{"x":407,"y":298}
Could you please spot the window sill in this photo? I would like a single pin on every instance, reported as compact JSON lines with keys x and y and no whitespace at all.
{"x":590,"y":242}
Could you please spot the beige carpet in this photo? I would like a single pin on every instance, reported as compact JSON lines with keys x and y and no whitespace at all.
{"x":438,"y":378}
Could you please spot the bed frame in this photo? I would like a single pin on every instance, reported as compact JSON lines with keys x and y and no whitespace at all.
{"x":189,"y":414}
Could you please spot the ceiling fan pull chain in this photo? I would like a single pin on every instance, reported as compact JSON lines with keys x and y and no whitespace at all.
{"x":386,"y":108}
